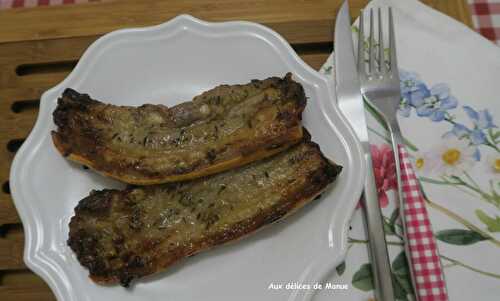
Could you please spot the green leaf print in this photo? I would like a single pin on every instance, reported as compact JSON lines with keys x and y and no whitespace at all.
{"x":363,"y":278}
{"x":493,"y":224}
{"x":399,"y":291}
{"x":402,"y":277}
{"x":459,"y":237}
{"x":389,"y":228}
{"x":400,"y":265}
{"x":394,"y":216}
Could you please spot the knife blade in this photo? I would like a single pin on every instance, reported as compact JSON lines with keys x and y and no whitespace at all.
{"x":351,"y":104}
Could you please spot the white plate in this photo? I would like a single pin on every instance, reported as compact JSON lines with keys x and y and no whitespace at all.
{"x":168,"y":63}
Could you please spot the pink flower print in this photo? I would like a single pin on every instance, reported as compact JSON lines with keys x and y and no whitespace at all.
{"x":384,"y":170}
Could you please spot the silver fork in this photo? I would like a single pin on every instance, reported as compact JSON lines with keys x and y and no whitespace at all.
{"x":380,"y":87}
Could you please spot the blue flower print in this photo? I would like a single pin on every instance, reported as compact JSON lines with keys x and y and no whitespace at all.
{"x":477,"y":137}
{"x":460,"y":130}
{"x":436,"y":105}
{"x":413,"y":90}
{"x":482,"y":119}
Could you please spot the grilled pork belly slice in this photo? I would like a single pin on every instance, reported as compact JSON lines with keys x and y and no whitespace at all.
{"x":121,"y":235}
{"x":223,"y":128}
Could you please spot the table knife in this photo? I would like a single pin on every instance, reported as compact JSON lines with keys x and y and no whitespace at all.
{"x":351,"y":104}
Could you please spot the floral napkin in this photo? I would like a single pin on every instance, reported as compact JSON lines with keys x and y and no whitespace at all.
{"x":449,"y":116}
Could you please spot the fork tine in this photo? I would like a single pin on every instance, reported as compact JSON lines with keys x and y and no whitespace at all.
{"x":381,"y":60}
{"x":371,"y":48}
{"x":392,"y":40}
{"x":361,"y":39}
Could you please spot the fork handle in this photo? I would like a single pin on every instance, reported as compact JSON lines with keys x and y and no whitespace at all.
{"x":420,"y":245}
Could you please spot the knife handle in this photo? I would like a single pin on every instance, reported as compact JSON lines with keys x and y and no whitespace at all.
{"x":381,"y":268}
{"x":421,"y":246}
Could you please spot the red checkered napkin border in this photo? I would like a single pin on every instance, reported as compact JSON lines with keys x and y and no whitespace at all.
{"x":422,"y":246}
{"x":486,"y":18}
{"x":5,"y":4}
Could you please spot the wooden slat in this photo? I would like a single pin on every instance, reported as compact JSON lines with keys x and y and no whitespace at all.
{"x":8,"y":213}
{"x":12,"y":94}
{"x":21,"y":279}
{"x":45,"y":50}
{"x":26,"y":293}
{"x":17,"y":125}
{"x":5,"y":157}
{"x":315,"y":60}
{"x":14,"y":55}
{"x":11,"y":248}
{"x":24,"y":286}
{"x":45,"y":81}
{"x":298,"y":21}
{"x":14,"y":125}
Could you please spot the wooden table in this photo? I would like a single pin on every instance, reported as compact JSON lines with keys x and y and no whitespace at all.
{"x":40,"y":46}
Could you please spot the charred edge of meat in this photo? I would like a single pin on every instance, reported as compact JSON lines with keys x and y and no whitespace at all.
{"x":85,"y":245}
{"x":97,"y":203}
{"x":71,"y":100}
{"x":291,"y":89}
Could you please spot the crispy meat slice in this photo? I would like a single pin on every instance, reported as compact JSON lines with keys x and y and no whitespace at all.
{"x":121,"y":235}
{"x":223,"y":128}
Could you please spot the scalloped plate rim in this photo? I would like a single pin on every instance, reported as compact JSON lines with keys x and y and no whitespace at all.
{"x":40,"y":263}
